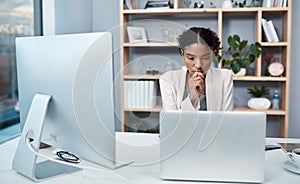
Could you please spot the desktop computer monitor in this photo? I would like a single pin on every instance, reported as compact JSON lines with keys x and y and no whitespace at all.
{"x":66,"y":97}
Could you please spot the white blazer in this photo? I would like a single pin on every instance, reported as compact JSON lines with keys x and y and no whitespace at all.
{"x":219,"y":90}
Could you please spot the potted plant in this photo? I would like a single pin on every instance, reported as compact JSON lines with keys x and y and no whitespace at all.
{"x":239,"y":4}
{"x":254,"y":3}
{"x":257,"y":100}
{"x":238,"y":55}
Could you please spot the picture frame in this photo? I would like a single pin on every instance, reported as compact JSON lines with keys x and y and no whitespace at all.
{"x":137,"y":34}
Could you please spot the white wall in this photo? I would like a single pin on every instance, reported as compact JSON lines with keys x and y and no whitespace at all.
{"x":67,"y":16}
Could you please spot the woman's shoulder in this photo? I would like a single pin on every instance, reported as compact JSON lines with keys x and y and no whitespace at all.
{"x":174,"y":73}
{"x":226,"y":71}
{"x":223,"y":71}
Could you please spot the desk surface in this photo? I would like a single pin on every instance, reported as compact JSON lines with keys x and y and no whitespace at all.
{"x":144,"y":150}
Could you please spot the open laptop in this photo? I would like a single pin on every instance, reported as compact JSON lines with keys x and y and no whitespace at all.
{"x":212,"y":146}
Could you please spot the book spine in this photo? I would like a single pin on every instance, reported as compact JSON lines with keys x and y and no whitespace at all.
{"x":267,"y":3}
{"x":152,"y":94}
{"x":273,"y":31}
{"x":146,"y":89}
{"x":141,"y":94}
{"x":126,"y":94}
{"x":284,"y":3}
{"x":266,"y":30}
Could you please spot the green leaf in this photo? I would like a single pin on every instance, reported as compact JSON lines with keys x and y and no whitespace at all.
{"x":232,"y":42}
{"x":235,"y":66}
{"x":255,"y":50}
{"x":235,"y":55}
{"x":256,"y":91}
{"x":226,"y":62}
{"x":229,"y":40}
{"x":247,"y":62}
{"x":251,"y":58}
{"x":236,"y":38}
{"x":243,"y":45}
{"x":258,"y":45}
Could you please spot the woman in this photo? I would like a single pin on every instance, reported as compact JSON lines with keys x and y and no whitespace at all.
{"x":197,"y":86}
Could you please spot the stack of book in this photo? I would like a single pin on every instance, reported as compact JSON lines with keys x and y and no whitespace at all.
{"x":269,"y":30}
{"x":140,"y":94}
{"x":274,"y":3}
{"x":158,"y":4}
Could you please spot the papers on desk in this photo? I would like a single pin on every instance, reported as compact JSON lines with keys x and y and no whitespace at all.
{"x":288,"y":147}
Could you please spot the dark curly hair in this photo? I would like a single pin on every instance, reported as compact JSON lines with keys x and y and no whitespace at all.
{"x":199,"y":35}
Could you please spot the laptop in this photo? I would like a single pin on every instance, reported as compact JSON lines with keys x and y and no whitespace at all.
{"x":212,"y":146}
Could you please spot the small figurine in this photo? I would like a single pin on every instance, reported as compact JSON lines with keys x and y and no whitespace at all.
{"x":187,"y":3}
{"x":211,"y":5}
{"x":199,"y":4}
{"x":276,"y":69}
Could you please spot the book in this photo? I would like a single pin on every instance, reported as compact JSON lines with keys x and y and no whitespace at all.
{"x":273,"y":32}
{"x":152,"y":94}
{"x":140,"y":94}
{"x":280,"y":3}
{"x":129,"y":94}
{"x":126,"y":94}
{"x":267,"y":3}
{"x":157,"y":4}
{"x":146,"y":90}
{"x":284,"y":3}
{"x":266,"y":30}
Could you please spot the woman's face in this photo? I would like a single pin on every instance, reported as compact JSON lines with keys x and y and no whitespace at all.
{"x":197,"y":58}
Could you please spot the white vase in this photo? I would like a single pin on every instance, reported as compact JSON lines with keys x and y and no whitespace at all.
{"x":259,"y":103}
{"x":227,"y":4}
{"x":242,"y":72}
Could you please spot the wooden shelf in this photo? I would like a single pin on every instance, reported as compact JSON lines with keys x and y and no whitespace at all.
{"x":199,"y":11}
{"x":170,"y":11}
{"x":157,"y":108}
{"x":268,"y":112}
{"x":255,"y":78}
{"x":274,"y":44}
{"x":141,"y":77}
{"x":151,"y":44}
{"x":172,"y":44}
{"x":235,"y":78}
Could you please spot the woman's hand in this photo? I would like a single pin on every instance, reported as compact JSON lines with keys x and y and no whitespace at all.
{"x":196,"y":85}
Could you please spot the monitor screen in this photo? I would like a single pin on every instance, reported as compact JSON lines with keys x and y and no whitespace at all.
{"x":76,"y":71}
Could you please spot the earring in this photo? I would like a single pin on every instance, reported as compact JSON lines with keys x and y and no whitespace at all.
{"x":181,"y":52}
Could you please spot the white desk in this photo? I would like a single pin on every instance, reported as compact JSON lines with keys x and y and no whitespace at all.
{"x":144,"y":150}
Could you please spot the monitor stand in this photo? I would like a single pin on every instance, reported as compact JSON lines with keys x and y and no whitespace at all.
{"x":25,"y":160}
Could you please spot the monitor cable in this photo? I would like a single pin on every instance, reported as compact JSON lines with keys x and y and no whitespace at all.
{"x":70,"y":159}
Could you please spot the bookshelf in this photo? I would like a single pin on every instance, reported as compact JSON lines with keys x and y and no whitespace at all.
{"x":221,"y":21}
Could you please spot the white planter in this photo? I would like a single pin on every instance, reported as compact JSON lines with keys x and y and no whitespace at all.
{"x":226,"y":4}
{"x":242,"y":72}
{"x":259,"y":103}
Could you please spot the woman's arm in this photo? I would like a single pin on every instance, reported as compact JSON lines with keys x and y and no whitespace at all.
{"x":170,"y":95}
{"x":228,"y":90}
